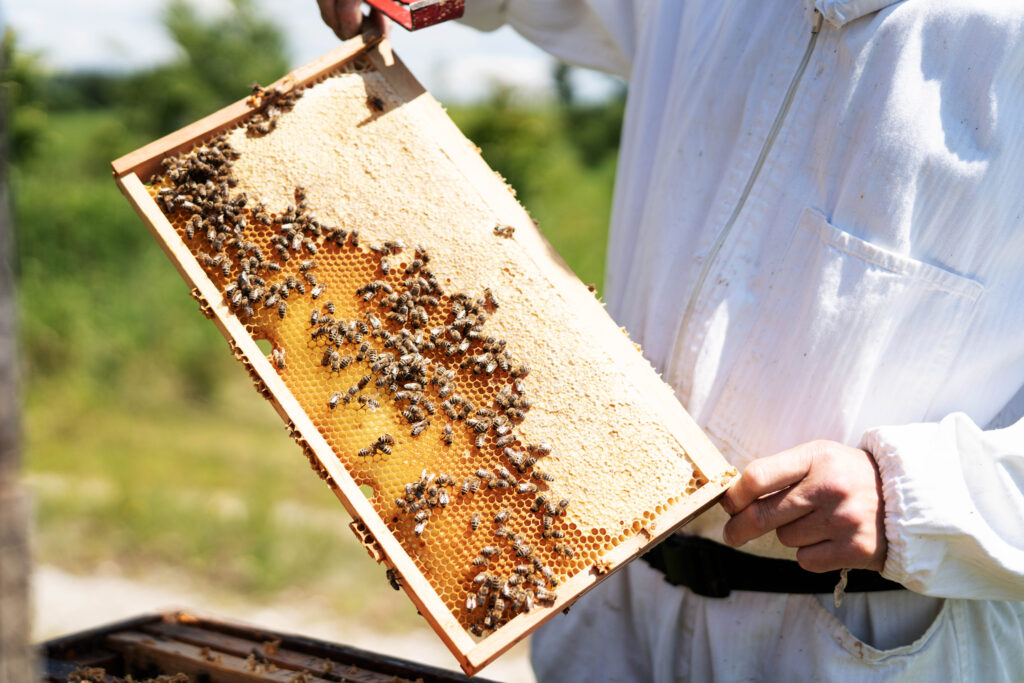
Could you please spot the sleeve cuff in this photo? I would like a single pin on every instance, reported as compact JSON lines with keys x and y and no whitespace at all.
{"x":891,"y":472}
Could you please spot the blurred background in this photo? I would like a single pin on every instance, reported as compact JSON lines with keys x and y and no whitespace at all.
{"x":158,"y":476}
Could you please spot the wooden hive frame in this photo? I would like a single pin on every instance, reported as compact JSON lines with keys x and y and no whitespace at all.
{"x":133,"y":170}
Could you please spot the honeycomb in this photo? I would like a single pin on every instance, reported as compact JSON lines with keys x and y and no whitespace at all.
{"x":438,"y":363}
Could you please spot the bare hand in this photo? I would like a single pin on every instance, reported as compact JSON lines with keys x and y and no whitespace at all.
{"x":821,"y":497}
{"x":345,"y":17}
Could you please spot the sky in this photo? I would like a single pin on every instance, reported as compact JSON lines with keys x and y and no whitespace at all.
{"x":454,"y":62}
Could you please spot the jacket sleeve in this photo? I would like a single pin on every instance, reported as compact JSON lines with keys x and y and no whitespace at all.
{"x":954,"y":507}
{"x":597,"y":34}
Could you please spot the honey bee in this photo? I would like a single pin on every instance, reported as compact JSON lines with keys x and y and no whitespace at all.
{"x":278,"y":355}
{"x":366,"y":452}
{"x":282,"y":309}
{"x":504,"y":230}
{"x":479,"y":561}
{"x":543,"y":476}
{"x":540,"y":502}
{"x":480,"y":441}
{"x":470,"y":486}
{"x":542,"y":448}
{"x":490,"y":551}
{"x":502,"y":531}
{"x":443,"y":499}
{"x":330,"y":307}
{"x":553,"y":533}
{"x":563,"y":504}
{"x":317,"y":291}
{"x":471,"y":602}
{"x":420,"y":528}
{"x":447,"y":435}
{"x":491,"y":299}
{"x":565,"y":549}
{"x":393,"y":579}
{"x":418,"y":428}
{"x":502,"y":516}
{"x":526,"y":488}
{"x":523,"y":569}
{"x":503,"y":441}
{"x":474,"y":521}
{"x":385,"y":265}
{"x":335,"y":398}
{"x":412,"y":414}
{"x":422,"y":515}
{"x":544,"y":595}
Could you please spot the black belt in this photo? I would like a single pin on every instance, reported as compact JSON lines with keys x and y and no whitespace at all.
{"x":713,"y":570}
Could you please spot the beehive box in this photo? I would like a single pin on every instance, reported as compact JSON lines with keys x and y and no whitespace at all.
{"x":180,"y":644}
{"x":428,"y":345}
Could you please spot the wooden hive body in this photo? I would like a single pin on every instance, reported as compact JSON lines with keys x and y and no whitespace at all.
{"x":373,"y":151}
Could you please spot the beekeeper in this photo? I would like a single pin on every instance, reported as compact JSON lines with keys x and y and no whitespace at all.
{"x":818,"y":239}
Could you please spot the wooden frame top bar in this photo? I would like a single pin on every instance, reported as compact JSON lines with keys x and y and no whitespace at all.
{"x":145,"y":161}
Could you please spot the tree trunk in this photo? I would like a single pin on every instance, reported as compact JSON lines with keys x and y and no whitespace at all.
{"x":16,"y":657}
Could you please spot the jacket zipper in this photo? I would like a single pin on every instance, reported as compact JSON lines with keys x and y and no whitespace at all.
{"x":751,"y":179}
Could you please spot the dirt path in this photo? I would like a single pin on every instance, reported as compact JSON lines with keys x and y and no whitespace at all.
{"x":65,"y":603}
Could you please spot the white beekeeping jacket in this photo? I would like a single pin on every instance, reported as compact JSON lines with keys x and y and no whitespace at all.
{"x":818,"y":233}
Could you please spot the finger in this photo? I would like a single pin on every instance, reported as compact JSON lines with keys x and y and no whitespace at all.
{"x":350,"y":18}
{"x":766,"y":514}
{"x":821,"y":557}
{"x":328,"y":14}
{"x":767,"y":475}
{"x":381,"y":23}
{"x":807,"y":530}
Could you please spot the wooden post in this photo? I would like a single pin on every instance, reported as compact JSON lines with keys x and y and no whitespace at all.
{"x":16,"y":660}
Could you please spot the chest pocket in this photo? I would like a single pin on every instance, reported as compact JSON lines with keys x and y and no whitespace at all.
{"x":850,"y":336}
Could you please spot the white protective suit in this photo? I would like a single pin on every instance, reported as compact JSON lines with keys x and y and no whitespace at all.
{"x":818,"y":233}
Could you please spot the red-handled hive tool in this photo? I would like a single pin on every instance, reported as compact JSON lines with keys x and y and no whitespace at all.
{"x":417,"y":14}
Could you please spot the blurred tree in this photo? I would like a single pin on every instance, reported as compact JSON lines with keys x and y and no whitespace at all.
{"x":593,"y":127}
{"x":23,"y":80}
{"x":220,"y":58}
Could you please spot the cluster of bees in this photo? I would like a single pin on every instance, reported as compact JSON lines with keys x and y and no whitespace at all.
{"x":411,"y":362}
{"x":269,"y":103}
{"x":409,"y":358}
